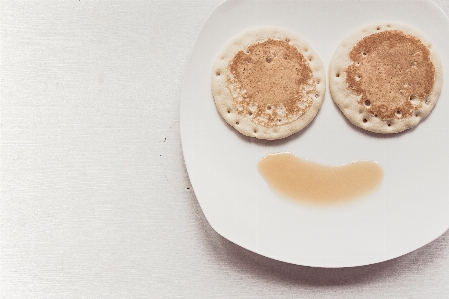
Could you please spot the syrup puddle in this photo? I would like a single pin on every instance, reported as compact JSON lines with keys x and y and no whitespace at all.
{"x":317,"y":183}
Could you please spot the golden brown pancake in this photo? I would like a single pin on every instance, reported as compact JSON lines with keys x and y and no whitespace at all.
{"x":268,"y":83}
{"x":385,"y":77}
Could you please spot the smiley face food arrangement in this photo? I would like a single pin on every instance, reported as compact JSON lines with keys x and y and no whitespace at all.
{"x":385,"y":77}
{"x":268,"y":83}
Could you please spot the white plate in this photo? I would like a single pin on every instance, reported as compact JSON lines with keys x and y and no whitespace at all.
{"x":409,"y":210}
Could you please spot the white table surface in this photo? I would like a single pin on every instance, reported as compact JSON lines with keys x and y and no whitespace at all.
{"x":95,"y":200}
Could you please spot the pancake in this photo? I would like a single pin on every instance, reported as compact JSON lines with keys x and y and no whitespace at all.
{"x":268,"y":83}
{"x":385,"y":77}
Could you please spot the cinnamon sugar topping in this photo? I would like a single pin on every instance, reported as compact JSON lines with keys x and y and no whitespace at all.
{"x":271,"y":83}
{"x":392,"y":72}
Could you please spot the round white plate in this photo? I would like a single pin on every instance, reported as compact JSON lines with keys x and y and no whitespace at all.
{"x":409,"y":210}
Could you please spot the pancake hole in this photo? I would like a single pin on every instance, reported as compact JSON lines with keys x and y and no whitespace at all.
{"x":269,"y":59}
{"x":375,"y":115}
{"x":268,"y":107}
{"x":357,"y":63}
{"x":417,"y":114}
{"x":414,"y":100}
{"x":255,"y":130}
{"x":427,"y":101}
{"x":378,"y":28}
{"x":250,"y":113}
{"x":364,"y":53}
{"x":310,"y":58}
{"x":367,"y":103}
{"x":398,"y":113}
{"x":217,"y":73}
{"x":279,"y":120}
{"x":287,"y":39}
{"x":229,"y":111}
{"x":338,"y":75}
{"x":318,"y":81}
{"x":389,"y":124}
{"x":237,"y":123}
{"x":317,"y":95}
{"x":358,"y":77}
{"x":365,"y":120}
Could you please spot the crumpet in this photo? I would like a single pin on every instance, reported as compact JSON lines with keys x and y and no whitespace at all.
{"x":385,"y":77}
{"x":268,"y":83}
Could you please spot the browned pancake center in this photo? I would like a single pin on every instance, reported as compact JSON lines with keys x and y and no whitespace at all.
{"x":271,"y":83}
{"x":392,"y":72}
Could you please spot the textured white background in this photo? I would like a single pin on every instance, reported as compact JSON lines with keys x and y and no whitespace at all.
{"x":95,"y":201}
